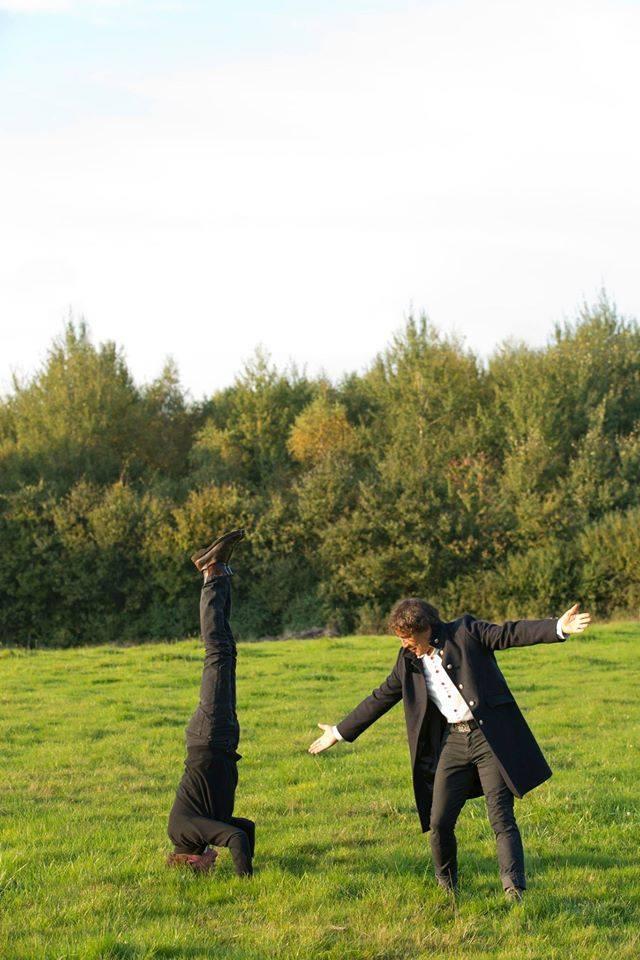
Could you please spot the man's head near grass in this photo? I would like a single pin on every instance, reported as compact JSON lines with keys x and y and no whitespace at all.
{"x":412,"y":620}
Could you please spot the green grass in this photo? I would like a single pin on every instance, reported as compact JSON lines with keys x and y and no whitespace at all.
{"x":91,"y":752}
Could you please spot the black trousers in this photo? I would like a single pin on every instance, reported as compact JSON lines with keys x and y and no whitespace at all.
{"x":202,"y":812}
{"x":462,"y":752}
{"x":215,"y":721}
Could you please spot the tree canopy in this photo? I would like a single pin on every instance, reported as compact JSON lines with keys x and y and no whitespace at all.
{"x":507,"y":488}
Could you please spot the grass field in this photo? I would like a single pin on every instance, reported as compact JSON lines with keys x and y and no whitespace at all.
{"x":92,"y":747}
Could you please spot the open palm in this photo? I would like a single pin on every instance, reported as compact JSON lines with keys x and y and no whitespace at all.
{"x":325,"y":741}
{"x":573,"y":621}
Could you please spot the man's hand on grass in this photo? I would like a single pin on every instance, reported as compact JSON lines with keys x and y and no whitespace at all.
{"x":325,"y":741}
{"x":573,"y":621}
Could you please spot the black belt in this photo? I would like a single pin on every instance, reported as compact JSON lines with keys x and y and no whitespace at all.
{"x":463,"y":726}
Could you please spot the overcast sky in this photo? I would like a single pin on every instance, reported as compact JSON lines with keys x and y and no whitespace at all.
{"x":198,"y":177}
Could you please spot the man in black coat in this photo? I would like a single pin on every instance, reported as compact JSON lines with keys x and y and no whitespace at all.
{"x":466,"y":734}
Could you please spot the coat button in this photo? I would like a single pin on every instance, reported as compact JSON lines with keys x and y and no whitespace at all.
{"x":449,"y":666}
{"x":480,"y":722}
{"x":460,"y":686}
{"x":472,"y":703}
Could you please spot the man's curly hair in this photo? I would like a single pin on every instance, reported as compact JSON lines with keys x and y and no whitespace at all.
{"x":412,"y":616}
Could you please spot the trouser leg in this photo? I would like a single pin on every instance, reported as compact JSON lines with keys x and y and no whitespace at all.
{"x":183,"y":831}
{"x":501,"y":814}
{"x":453,"y":778}
{"x":236,"y":838}
{"x":215,"y":721}
{"x":249,"y":828}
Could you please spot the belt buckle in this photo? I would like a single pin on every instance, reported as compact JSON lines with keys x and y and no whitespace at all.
{"x":463,"y":726}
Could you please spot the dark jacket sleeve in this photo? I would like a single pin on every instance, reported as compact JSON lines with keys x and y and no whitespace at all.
{"x":513,"y":633}
{"x":372,"y":707}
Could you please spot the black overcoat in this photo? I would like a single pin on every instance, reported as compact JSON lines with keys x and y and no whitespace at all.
{"x":466,"y":646}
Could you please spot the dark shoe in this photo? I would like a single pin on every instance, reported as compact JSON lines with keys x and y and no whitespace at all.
{"x":219,"y":551}
{"x":514,"y":894}
{"x":198,"y":862}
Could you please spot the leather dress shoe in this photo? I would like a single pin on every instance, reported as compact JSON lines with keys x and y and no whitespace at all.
{"x":219,"y":551}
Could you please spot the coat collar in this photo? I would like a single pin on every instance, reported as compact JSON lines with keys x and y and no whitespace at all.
{"x":439,"y":635}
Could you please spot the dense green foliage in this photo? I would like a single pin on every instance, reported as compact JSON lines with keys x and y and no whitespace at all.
{"x":92,"y":752}
{"x":505,"y":488}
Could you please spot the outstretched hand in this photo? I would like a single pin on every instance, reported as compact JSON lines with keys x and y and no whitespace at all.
{"x":325,"y":741}
{"x":573,"y":621}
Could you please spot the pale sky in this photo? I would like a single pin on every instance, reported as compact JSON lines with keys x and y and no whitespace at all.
{"x":197,"y":177}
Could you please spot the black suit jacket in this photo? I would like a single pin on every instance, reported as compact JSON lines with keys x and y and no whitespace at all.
{"x":466,"y":647}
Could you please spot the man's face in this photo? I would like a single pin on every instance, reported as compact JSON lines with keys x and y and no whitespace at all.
{"x":417,"y":643}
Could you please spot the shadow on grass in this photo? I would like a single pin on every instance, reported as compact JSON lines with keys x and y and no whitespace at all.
{"x":206,"y":949}
{"x":318,"y":857}
{"x":168,"y":953}
{"x":548,"y":863}
{"x":482,"y":872}
{"x":111,"y":948}
{"x":615,"y":916}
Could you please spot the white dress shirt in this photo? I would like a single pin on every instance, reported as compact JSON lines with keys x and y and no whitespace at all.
{"x":442,"y":689}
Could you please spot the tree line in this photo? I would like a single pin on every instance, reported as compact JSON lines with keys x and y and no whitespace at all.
{"x":505,"y":488}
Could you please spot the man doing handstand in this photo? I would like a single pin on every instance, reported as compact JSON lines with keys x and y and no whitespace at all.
{"x":202,"y":813}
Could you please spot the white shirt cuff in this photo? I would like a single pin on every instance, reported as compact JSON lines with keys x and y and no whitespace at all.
{"x":561,"y":635}
{"x":336,"y":733}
